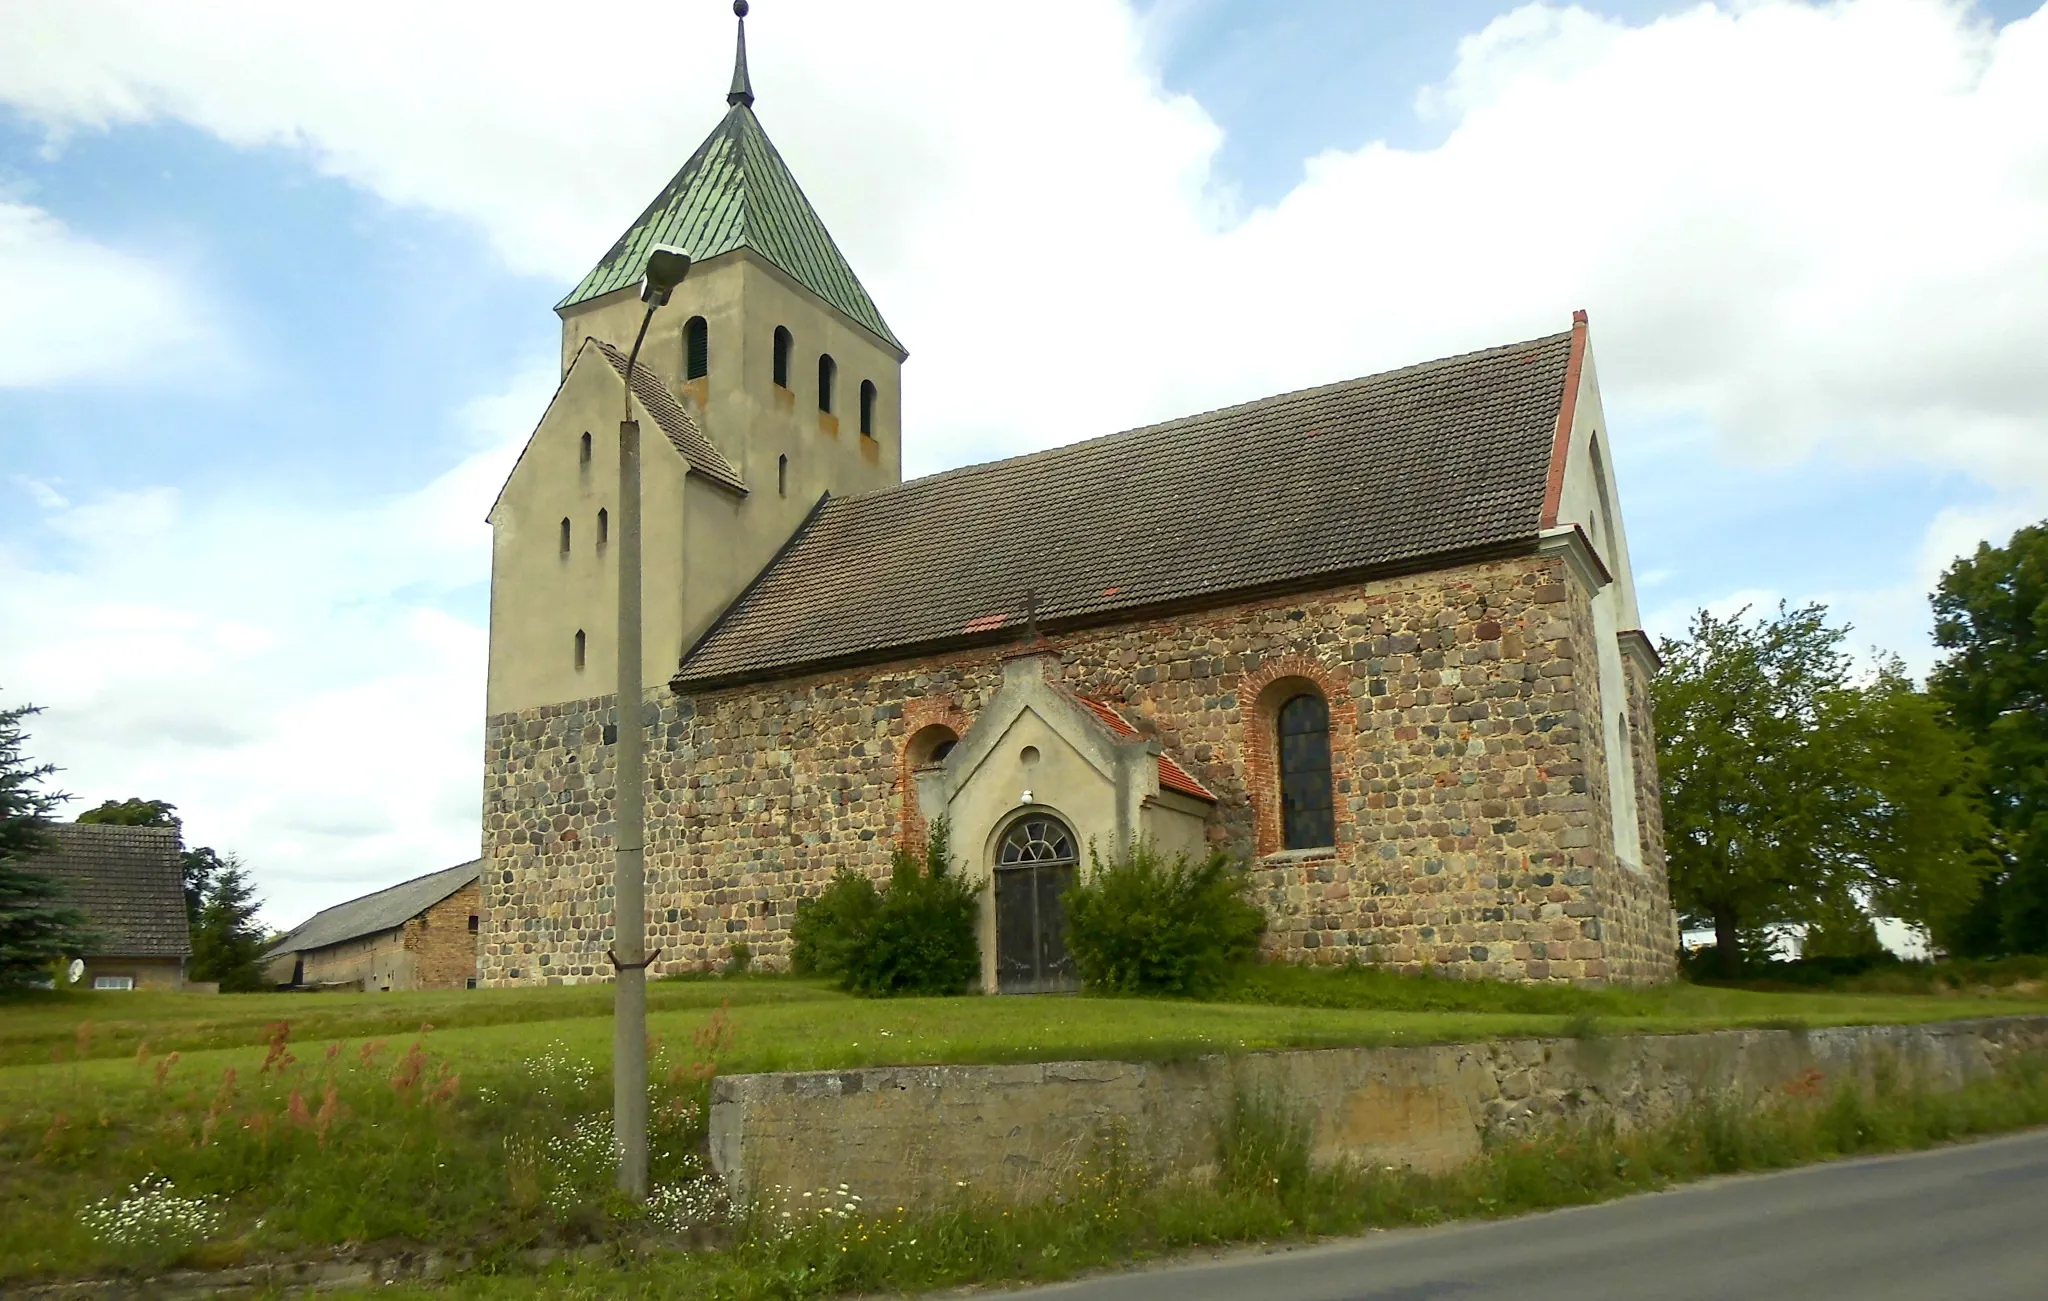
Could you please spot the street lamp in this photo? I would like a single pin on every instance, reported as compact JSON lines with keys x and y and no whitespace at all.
{"x":666,"y":268}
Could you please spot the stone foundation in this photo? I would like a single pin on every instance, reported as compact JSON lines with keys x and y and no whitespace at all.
{"x":909,"y":1136}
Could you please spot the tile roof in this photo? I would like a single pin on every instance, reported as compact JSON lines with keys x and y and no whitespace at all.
{"x":385,"y":910}
{"x":1445,"y":457}
{"x":129,"y":883}
{"x":1172,"y":776}
{"x":736,"y":192}
{"x":698,"y":450}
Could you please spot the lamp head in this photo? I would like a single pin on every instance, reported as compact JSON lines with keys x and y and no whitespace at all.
{"x":666,"y":267}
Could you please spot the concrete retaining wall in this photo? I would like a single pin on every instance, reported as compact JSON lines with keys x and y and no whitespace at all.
{"x":912,"y":1135}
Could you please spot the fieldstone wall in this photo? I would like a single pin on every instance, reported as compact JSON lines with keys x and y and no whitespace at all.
{"x":915,"y":1136}
{"x":442,"y":942}
{"x":1473,"y":829}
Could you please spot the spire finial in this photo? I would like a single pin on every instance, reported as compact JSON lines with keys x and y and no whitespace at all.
{"x":742,"y":91}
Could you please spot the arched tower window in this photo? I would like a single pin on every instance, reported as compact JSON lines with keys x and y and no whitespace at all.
{"x":604,"y":527}
{"x":579,"y":650}
{"x":785,"y":343}
{"x":782,"y":475}
{"x":828,"y":373}
{"x":867,"y":407}
{"x":583,"y":457}
{"x":1307,"y":817}
{"x":565,"y":535}
{"x":696,"y":348}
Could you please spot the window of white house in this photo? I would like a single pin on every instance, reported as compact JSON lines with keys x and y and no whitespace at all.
{"x":113,"y":982}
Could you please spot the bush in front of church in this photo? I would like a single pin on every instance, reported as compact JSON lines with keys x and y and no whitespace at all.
{"x":913,"y":936}
{"x":1147,"y":925}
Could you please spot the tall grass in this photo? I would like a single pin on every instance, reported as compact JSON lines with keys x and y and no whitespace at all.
{"x":1266,"y":1188}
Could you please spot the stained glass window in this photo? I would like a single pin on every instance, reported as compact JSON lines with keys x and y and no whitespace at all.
{"x":1308,"y":820}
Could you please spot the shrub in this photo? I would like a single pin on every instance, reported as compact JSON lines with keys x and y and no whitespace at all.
{"x":1145,"y":925}
{"x":914,"y":936}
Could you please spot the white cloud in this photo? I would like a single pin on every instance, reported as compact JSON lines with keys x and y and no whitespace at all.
{"x":1820,"y":231}
{"x":287,"y":676}
{"x":76,"y":309}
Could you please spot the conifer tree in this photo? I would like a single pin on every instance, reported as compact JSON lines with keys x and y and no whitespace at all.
{"x":37,"y":928}
{"x":227,"y":945}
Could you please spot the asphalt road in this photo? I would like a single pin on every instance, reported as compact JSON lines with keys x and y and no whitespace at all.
{"x":1968,"y":1223}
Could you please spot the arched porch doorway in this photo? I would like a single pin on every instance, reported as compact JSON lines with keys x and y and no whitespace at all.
{"x":1036,"y":861}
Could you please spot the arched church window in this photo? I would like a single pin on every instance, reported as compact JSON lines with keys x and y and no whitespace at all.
{"x":828,"y":373}
{"x":565,"y":535}
{"x":604,"y":526}
{"x":867,"y":407}
{"x":583,"y":458}
{"x":696,"y":348}
{"x":782,"y":475}
{"x":785,"y":343}
{"x":1308,"y":820}
{"x":579,"y":650}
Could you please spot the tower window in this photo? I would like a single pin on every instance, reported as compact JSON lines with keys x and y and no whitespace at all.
{"x":782,"y":475}
{"x":828,"y":372}
{"x":584,"y":456}
{"x":579,"y":648}
{"x":867,"y":407}
{"x":785,"y":343}
{"x":565,"y":535}
{"x":604,"y":526}
{"x":1307,"y":819}
{"x":696,"y":349}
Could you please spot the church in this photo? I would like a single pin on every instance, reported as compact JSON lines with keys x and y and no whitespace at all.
{"x":1378,"y":640}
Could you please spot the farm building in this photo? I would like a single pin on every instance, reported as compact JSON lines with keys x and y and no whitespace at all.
{"x":129,"y":883}
{"x":419,"y":934}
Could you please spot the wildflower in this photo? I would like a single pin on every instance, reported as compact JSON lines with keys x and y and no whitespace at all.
{"x":152,"y":1215}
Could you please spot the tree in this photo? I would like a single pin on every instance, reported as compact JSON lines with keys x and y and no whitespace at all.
{"x":36,"y":927}
{"x":1991,"y":615}
{"x":227,"y":945}
{"x":132,"y":813}
{"x":1795,"y":793}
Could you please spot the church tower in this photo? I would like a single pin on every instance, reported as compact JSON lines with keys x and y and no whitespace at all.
{"x":768,"y":381}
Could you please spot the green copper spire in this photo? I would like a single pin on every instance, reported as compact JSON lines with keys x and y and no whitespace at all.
{"x":736,"y":192}
{"x":742,"y":91}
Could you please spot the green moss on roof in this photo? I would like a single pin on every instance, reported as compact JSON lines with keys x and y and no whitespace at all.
{"x":737,"y":192}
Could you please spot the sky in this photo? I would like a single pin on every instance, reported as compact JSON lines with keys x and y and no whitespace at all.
{"x":275,"y":291}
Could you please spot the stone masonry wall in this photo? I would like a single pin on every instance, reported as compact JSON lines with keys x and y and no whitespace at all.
{"x":442,"y":945}
{"x":907,"y":1135}
{"x":1473,"y":833}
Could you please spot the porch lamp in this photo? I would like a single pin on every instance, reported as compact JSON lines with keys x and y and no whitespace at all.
{"x":666,"y":267}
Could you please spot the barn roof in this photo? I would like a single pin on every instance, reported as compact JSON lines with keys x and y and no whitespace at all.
{"x":385,"y":910}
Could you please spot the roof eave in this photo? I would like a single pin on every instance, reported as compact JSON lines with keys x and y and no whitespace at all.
{"x":683,"y":684}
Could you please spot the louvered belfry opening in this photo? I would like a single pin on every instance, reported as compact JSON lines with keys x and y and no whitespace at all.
{"x":1308,"y":820}
{"x":785,"y":343}
{"x":696,"y":349}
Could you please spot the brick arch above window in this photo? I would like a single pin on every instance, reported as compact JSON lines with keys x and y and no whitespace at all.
{"x":1261,"y":694}
{"x":923,"y":719}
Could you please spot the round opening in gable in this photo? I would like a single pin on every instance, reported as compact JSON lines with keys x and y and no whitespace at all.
{"x":1028,"y":755}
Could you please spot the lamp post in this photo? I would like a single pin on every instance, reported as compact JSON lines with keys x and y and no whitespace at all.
{"x":666,"y":268}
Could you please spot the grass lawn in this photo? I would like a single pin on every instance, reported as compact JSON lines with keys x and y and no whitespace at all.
{"x":489,"y":1128}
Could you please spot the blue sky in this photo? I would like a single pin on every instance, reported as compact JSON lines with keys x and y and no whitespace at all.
{"x":288,"y":281}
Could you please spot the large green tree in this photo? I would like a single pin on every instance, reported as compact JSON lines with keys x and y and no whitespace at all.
{"x":36,"y":926}
{"x":227,"y":944}
{"x":1991,"y":615}
{"x":1797,"y":791}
